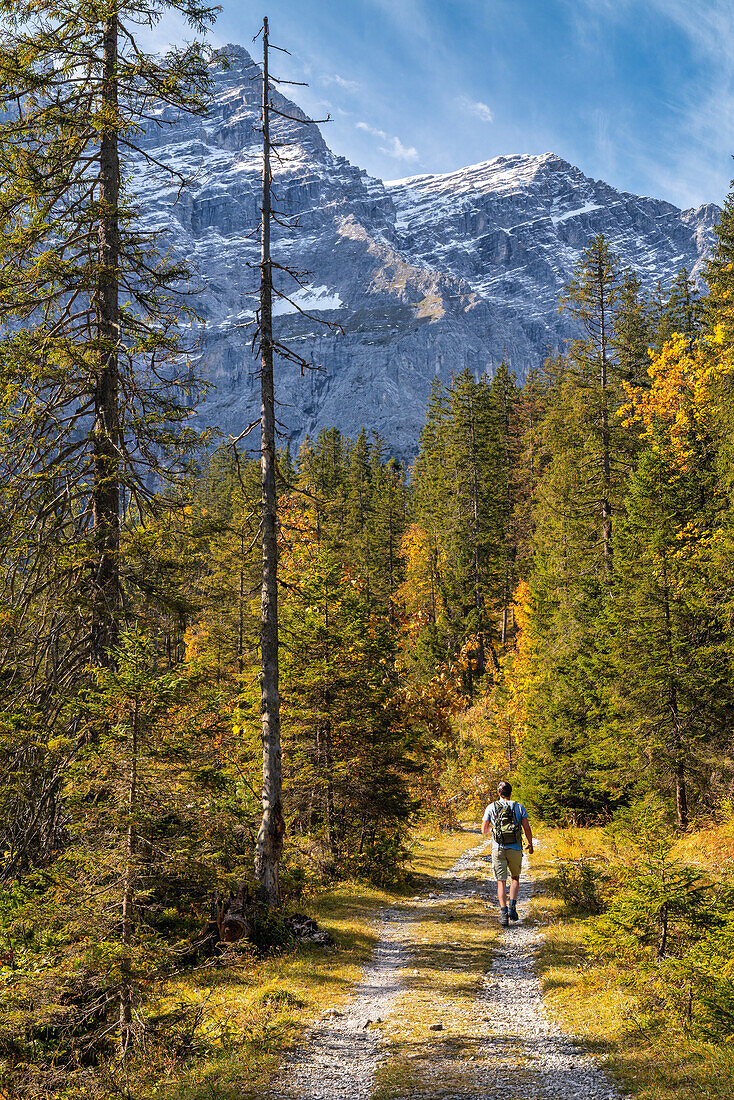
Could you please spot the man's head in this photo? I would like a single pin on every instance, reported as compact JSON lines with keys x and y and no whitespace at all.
{"x":504,"y":790}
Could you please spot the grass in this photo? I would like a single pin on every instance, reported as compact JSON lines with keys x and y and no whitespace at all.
{"x":594,"y":1002}
{"x":236,"y":1022}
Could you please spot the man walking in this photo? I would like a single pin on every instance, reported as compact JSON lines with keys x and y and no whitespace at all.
{"x":504,"y":819}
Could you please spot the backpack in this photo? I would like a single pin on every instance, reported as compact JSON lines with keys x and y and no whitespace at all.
{"x":505,"y":827}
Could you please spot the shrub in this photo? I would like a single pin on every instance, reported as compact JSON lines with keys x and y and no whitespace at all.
{"x":583,"y":885}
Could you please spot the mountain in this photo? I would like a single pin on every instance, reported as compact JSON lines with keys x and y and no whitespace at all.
{"x":424,"y":276}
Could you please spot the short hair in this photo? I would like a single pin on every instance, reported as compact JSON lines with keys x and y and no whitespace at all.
{"x":504,"y":789}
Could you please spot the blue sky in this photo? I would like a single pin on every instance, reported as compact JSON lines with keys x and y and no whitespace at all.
{"x":636,"y":92}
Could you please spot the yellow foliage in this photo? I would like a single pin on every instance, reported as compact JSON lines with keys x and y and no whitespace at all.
{"x":673,"y":412}
{"x":195,"y":639}
{"x":417,"y":593}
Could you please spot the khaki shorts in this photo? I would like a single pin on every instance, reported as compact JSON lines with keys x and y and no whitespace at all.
{"x":506,"y":860}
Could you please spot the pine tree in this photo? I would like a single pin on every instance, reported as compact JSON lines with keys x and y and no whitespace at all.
{"x":572,"y":762}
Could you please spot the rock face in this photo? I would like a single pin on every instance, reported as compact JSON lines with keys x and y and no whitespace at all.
{"x":425,"y":276}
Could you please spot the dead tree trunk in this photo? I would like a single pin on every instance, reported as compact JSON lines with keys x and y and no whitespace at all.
{"x":128,"y":892}
{"x":272,"y":826}
{"x":105,"y":433}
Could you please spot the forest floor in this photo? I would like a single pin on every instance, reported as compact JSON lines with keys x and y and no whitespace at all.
{"x":449,"y":1007}
{"x":425,"y":997}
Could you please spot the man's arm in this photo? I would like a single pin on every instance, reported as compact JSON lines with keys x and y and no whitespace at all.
{"x":528,"y":834}
{"x":486,"y":828}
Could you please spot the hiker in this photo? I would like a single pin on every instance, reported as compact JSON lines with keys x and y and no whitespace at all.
{"x":503,"y":819}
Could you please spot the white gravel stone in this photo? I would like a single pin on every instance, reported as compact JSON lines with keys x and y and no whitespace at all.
{"x":551,"y":1065}
{"x":339,"y":1058}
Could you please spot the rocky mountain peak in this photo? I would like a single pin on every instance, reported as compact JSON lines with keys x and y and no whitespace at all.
{"x":426,"y":275}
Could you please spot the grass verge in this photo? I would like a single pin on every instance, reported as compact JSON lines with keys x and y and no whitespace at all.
{"x":594,"y":1002}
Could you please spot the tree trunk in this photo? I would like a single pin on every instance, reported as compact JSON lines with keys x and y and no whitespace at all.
{"x":505,"y":602}
{"x":105,"y":433}
{"x":663,"y":928}
{"x":676,"y":740}
{"x":128,"y":893}
{"x":606,"y":508}
{"x":330,"y":821}
{"x":241,"y":612}
{"x":272,"y":827}
{"x":331,"y":837}
{"x":478,"y":601}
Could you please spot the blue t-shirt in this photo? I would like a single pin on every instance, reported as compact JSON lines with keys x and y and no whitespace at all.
{"x":520,"y":813}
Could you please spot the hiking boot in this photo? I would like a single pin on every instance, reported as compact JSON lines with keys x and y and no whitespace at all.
{"x":504,"y":919}
{"x":513,"y":914}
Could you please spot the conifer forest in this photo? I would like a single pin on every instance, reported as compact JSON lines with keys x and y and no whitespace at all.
{"x":251,"y":689}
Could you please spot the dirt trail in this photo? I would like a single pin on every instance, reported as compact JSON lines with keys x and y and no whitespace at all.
{"x":487,"y":1033}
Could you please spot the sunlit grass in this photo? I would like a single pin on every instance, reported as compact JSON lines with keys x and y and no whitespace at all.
{"x":594,"y":1002}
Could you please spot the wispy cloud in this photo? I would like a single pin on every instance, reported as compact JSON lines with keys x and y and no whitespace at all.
{"x":475,"y":107}
{"x":393,"y":146}
{"x":694,"y":166}
{"x":341,"y":82}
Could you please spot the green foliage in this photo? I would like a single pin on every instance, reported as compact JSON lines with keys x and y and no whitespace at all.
{"x":582,"y":883}
{"x":560,"y":556}
{"x":627,"y":680}
{"x":669,"y":928}
{"x":95,"y":387}
{"x":464,"y":499}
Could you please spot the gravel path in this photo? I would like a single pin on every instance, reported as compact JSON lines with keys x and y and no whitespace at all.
{"x":519,"y":1052}
{"x":528,"y":1055}
{"x":342,"y":1053}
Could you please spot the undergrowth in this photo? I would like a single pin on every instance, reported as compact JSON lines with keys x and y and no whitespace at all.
{"x":637,"y":955}
{"x":216,"y":1030}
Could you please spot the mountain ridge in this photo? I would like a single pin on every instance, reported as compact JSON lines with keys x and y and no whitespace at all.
{"x":425,"y":276}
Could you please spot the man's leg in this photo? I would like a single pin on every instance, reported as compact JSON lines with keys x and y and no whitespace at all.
{"x":514,"y":862}
{"x":499,"y":866}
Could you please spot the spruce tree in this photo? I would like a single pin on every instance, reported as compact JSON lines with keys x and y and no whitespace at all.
{"x":90,"y":352}
{"x":592,"y":299}
{"x":572,"y":764}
